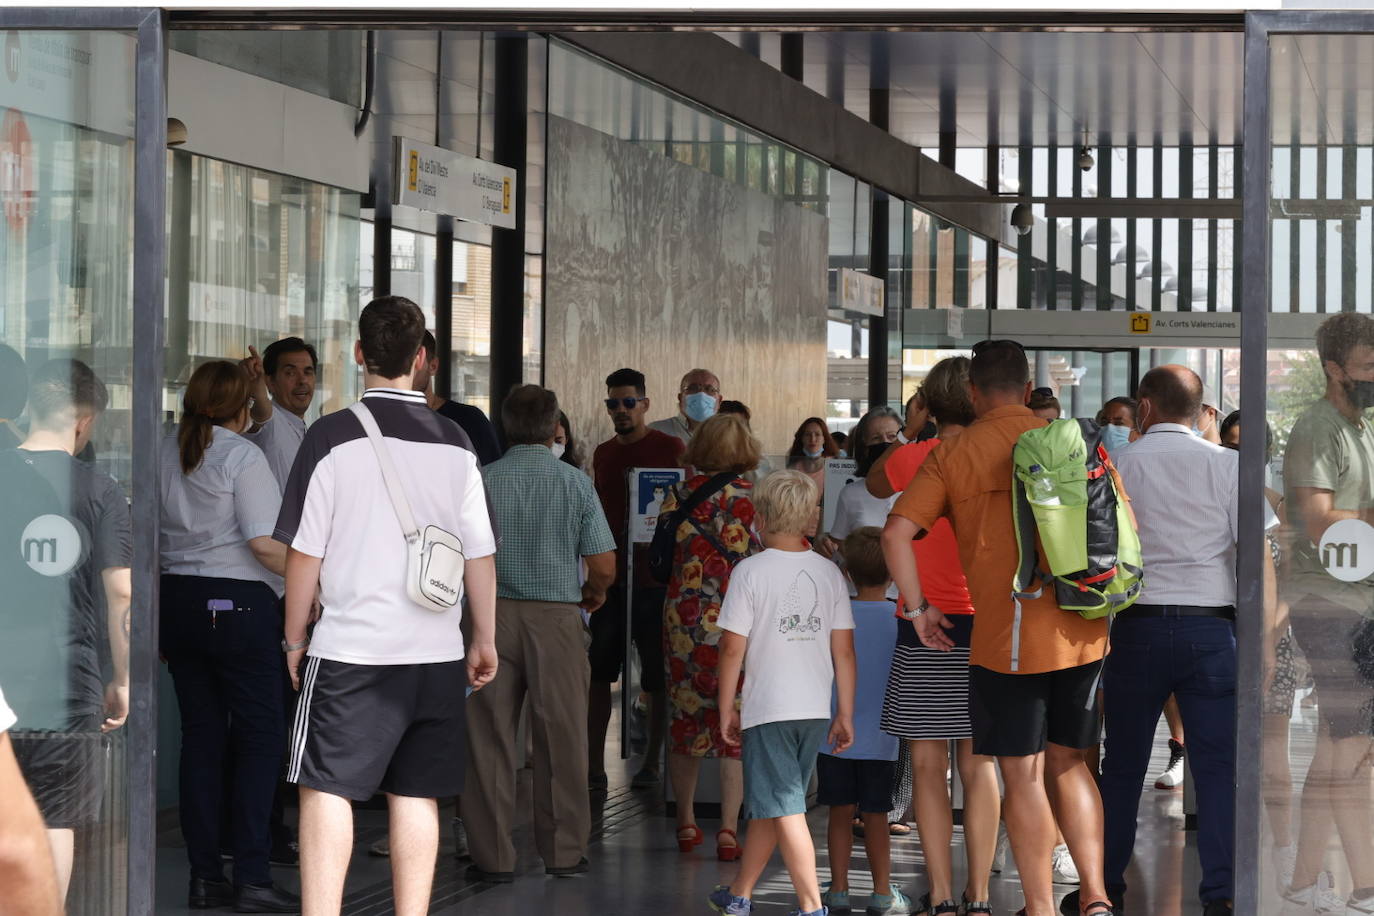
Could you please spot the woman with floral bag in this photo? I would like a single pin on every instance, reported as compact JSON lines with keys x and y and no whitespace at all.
{"x":710,"y":541}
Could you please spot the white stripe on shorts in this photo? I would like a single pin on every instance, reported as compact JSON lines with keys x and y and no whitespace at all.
{"x":301,"y":729}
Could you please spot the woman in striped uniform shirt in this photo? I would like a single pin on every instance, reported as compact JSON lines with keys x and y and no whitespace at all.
{"x":927,"y":690}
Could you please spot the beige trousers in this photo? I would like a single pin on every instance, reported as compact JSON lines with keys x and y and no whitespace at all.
{"x":543,"y":660}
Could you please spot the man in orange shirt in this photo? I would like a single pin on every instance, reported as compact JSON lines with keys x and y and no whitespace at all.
{"x":1034,"y":667}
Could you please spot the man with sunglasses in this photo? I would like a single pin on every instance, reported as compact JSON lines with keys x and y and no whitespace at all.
{"x":698,"y":399}
{"x":634,"y":445}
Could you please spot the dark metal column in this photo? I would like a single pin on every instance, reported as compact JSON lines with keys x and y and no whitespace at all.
{"x":793,"y":54}
{"x":508,"y":245}
{"x":443,"y":305}
{"x":1254,"y":229}
{"x":879,"y":108}
{"x":150,"y":239}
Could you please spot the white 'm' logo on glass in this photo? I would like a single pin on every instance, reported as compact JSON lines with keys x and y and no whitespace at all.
{"x":51,"y":545}
{"x":1347,"y":550}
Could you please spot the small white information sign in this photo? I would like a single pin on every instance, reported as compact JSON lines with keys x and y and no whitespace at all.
{"x":954,"y":322}
{"x":838,"y":473}
{"x":442,"y":181}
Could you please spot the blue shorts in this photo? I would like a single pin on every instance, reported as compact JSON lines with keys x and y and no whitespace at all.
{"x":779,"y":759}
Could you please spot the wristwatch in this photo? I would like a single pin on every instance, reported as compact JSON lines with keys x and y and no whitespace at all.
{"x":916,"y":612}
{"x":901,"y":437}
{"x":294,"y":646}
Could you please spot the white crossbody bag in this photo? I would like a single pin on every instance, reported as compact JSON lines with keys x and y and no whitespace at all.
{"x":434,"y":557}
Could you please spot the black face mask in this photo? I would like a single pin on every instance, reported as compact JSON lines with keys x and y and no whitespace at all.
{"x":1360,"y":393}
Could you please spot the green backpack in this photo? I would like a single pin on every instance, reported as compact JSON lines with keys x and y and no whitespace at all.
{"x":1067,"y":495}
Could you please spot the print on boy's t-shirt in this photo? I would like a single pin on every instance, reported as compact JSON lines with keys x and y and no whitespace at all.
{"x":800,"y":618}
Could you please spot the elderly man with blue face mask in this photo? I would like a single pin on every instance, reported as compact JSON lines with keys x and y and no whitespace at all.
{"x":698,"y":399}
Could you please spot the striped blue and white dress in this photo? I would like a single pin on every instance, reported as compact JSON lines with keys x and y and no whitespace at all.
{"x":927,"y":689}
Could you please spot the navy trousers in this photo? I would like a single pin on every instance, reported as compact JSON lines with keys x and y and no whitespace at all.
{"x":1193,"y":658}
{"x":226,"y":668}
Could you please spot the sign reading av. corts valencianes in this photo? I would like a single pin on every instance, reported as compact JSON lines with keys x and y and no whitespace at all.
{"x":442,"y":181}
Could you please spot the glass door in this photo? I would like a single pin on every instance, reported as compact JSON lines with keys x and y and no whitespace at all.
{"x":81,"y":242}
{"x":1306,"y":679}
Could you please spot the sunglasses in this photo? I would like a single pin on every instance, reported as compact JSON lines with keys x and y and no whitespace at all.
{"x":984,"y":345}
{"x":627,"y":403}
{"x":1043,"y":393}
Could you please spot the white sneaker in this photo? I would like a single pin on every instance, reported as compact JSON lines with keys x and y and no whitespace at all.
{"x":1318,"y":897}
{"x":1359,"y":906}
{"x":999,"y":855}
{"x":1172,"y":777}
{"x":1065,"y":871}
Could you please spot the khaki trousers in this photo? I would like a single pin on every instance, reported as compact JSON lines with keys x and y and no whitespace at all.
{"x":543,"y":661}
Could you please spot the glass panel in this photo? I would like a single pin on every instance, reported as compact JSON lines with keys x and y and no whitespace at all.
{"x":66,"y":318}
{"x":259,"y":256}
{"x":1319,"y":712}
{"x":471,"y":330}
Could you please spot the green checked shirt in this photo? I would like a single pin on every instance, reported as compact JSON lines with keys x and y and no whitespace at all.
{"x":550,"y":517}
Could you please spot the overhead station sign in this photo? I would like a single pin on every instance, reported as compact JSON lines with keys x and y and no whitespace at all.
{"x":452,"y":184}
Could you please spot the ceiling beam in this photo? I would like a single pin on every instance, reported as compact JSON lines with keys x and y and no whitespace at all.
{"x":717,"y":75}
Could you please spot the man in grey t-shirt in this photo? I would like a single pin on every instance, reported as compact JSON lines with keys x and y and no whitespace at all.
{"x":1329,"y":482}
{"x":283,"y":387}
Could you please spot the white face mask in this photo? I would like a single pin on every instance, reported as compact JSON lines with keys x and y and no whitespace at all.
{"x":558,"y":448}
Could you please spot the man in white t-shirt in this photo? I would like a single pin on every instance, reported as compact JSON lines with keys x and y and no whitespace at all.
{"x":27,"y":875}
{"x":285,"y":371}
{"x":382,"y":688}
{"x":787,"y":614}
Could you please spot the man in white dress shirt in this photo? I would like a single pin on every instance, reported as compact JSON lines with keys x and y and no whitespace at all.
{"x":1179,"y":637}
{"x":285,"y":371}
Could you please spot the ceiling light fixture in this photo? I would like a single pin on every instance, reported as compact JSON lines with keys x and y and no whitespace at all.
{"x":1022,"y":219}
{"x":1085,"y":154}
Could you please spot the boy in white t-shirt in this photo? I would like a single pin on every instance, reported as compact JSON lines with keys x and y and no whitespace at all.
{"x":787,"y":611}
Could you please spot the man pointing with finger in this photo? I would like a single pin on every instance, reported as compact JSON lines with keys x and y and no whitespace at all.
{"x":1033,"y":666}
{"x":286,"y":371}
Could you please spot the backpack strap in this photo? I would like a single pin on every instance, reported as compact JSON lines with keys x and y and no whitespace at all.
{"x":702,"y":493}
{"x":1028,"y":576}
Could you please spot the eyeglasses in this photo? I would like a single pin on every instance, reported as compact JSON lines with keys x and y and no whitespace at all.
{"x":627,"y":403}
{"x":712,"y":390}
{"x":984,"y":345}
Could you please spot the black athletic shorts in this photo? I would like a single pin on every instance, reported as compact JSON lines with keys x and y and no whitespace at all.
{"x":866,"y":783}
{"x":1015,"y":714}
{"x":607,"y":653}
{"x":65,"y":771}
{"x":395,"y":728}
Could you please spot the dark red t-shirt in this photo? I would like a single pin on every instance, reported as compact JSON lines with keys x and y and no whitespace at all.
{"x":610,"y":464}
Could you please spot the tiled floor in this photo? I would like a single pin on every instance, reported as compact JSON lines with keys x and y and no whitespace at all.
{"x":636,"y":867}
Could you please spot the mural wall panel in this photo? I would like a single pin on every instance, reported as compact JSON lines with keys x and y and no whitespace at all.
{"x":659,"y":266}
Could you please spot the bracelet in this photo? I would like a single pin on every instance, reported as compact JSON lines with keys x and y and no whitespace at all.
{"x":901,"y":438}
{"x":294,"y":646}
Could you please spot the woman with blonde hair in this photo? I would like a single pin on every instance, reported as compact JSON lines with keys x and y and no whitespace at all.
{"x":710,"y":541}
{"x":221,"y":633}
